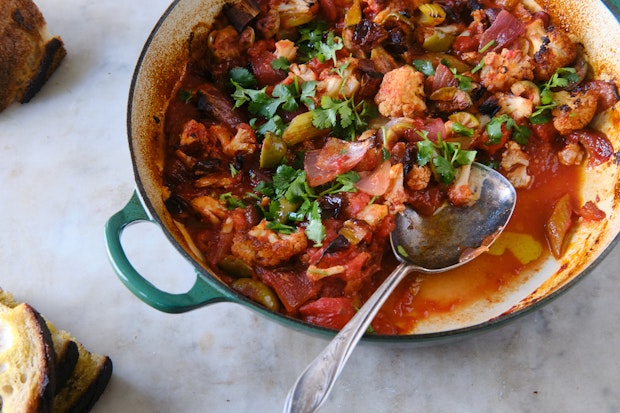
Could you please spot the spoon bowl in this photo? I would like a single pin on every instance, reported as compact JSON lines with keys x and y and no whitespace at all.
{"x":451,"y":237}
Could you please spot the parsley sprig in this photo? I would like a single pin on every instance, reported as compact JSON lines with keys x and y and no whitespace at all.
{"x":293,"y":200}
{"x":284,"y":96}
{"x":520,"y":134}
{"x":443,"y":157}
{"x":561,"y":78}
{"x":316,"y":41}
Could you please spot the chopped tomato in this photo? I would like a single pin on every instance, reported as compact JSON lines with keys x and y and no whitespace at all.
{"x":592,"y":212}
{"x":328,"y":312}
{"x":465,"y":44}
{"x":545,"y":131}
{"x":292,"y":287}
{"x":262,"y":70}
{"x":597,"y":145}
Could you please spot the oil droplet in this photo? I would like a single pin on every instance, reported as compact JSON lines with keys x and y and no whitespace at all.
{"x":523,"y":246}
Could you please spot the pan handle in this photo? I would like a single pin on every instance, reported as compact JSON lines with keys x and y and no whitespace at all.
{"x":199,"y":295}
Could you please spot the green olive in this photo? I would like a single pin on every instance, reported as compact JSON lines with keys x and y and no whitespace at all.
{"x":439,"y":41}
{"x":273,"y":151}
{"x":286,"y":207}
{"x":257,"y":291}
{"x":235,"y":267}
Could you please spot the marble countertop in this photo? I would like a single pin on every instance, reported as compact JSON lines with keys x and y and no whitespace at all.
{"x":65,"y":169}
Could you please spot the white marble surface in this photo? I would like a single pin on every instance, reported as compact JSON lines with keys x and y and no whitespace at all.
{"x":65,"y":169}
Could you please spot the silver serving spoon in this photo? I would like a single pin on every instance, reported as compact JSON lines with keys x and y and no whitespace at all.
{"x":426,"y":244}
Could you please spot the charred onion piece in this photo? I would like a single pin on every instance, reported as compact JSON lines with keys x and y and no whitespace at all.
{"x":241,"y":13}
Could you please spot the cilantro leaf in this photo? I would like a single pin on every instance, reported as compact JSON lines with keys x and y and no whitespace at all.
{"x":281,"y":63}
{"x":443,"y":157}
{"x":562,"y":77}
{"x":231,"y":201}
{"x":424,"y":66}
{"x":519,"y":134}
{"x":242,"y":77}
{"x":315,"y":231}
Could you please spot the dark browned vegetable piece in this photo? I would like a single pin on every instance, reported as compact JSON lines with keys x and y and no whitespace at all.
{"x":558,"y":224}
{"x":241,"y":13}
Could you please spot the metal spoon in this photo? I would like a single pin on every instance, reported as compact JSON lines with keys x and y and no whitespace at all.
{"x":426,"y":244}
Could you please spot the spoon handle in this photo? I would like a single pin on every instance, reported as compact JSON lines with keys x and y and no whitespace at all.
{"x":315,"y":383}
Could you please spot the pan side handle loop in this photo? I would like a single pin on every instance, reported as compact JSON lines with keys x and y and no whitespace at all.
{"x":199,"y":295}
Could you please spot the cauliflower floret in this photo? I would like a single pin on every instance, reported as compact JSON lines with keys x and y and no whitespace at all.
{"x":459,"y":193}
{"x":571,"y":154}
{"x":287,"y":49}
{"x":243,"y":142}
{"x":401,"y":93}
{"x":193,"y":132}
{"x":210,"y":209}
{"x":337,"y":86}
{"x":551,"y":49}
{"x":303,"y":72}
{"x":574,"y":111}
{"x":418,"y":177}
{"x":515,"y":106}
{"x":500,"y":71}
{"x":266,"y":247}
{"x":515,"y":163}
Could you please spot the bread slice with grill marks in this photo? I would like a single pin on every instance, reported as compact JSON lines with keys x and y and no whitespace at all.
{"x":29,"y":54}
{"x":80,"y":375}
{"x":27,"y":361}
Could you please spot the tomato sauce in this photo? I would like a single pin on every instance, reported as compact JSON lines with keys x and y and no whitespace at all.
{"x":294,"y":140}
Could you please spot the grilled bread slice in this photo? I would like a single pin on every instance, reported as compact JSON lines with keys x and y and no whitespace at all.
{"x":27,"y":361}
{"x":65,"y":347}
{"x":28,"y":53}
{"x":81,"y":376}
{"x":88,"y":381}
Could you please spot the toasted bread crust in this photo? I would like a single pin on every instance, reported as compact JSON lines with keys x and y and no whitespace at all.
{"x":32,"y":392}
{"x":28,"y":54}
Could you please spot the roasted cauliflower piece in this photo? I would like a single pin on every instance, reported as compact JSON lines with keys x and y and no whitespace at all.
{"x":574,"y":110}
{"x":211,"y":209}
{"x":401,"y":93}
{"x":502,"y":70}
{"x":243,"y":142}
{"x":551,"y":48}
{"x":515,"y":163}
{"x":571,"y":154}
{"x":418,"y":177}
{"x":265,"y":247}
{"x":515,"y":106}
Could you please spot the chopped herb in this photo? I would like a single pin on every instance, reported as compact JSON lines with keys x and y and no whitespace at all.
{"x":259,"y":102}
{"x":424,"y":66}
{"x":478,"y":67}
{"x":487,"y":46}
{"x":233,"y":170}
{"x":316,"y":41}
{"x":281,"y":63}
{"x":282,"y":228}
{"x":520,"y":134}
{"x":465,"y":82}
{"x":231,"y":201}
{"x":401,"y":250}
{"x":462,"y":130}
{"x":186,"y":95}
{"x":561,"y":78}
{"x":443,"y":157}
